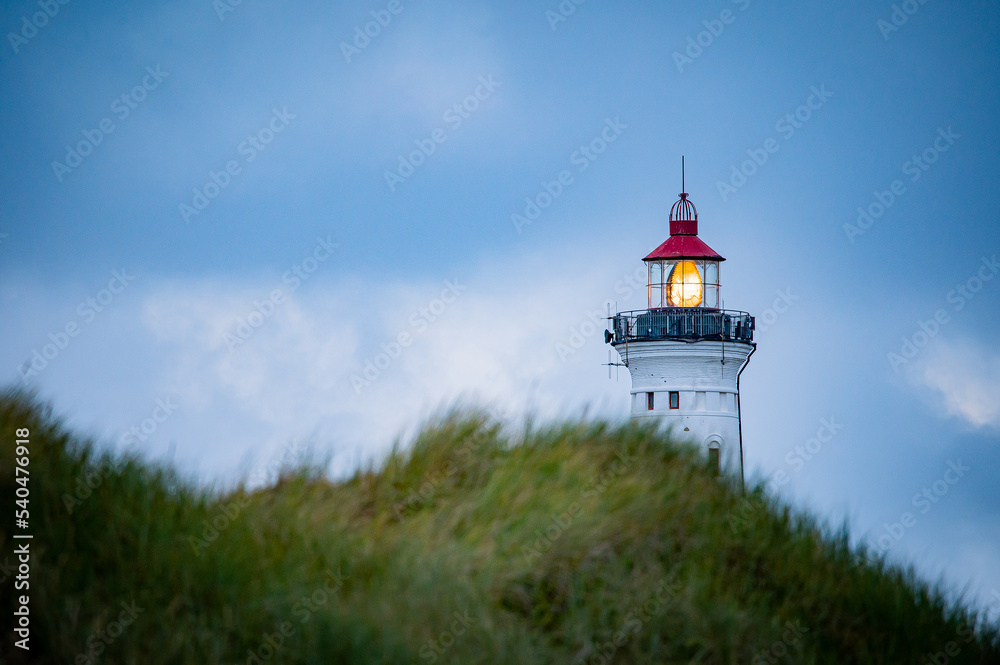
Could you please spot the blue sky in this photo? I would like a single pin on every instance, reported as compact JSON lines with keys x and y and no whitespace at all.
{"x":304,"y":235}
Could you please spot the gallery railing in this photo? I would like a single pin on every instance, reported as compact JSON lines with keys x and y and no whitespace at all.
{"x":693,"y":323}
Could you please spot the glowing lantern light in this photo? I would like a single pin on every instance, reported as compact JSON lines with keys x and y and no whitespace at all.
{"x":684,"y":285}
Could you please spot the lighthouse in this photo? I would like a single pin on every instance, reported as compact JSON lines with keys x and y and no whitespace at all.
{"x":684,"y":352}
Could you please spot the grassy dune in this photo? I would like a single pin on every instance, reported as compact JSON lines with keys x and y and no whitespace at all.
{"x":583,"y":543}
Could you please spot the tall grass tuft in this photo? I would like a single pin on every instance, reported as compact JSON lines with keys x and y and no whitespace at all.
{"x":579,"y":543}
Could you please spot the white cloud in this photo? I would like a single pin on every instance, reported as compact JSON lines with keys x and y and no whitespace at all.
{"x":494,"y":345}
{"x":965,"y":379}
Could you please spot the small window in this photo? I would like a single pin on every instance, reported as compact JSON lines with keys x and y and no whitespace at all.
{"x":713,"y":461}
{"x":675,"y":400}
{"x":649,"y":401}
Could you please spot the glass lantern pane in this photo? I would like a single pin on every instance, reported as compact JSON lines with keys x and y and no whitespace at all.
{"x":711,"y":296}
{"x":711,"y":272}
{"x":656,"y":276}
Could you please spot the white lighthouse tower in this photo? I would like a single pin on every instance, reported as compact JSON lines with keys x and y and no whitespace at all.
{"x":685,"y":353}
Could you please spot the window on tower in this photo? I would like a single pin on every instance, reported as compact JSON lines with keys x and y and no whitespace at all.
{"x":675,"y":400}
{"x":714,"y":465}
{"x":649,"y":401}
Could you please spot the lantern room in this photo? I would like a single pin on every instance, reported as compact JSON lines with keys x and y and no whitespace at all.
{"x":683,"y":272}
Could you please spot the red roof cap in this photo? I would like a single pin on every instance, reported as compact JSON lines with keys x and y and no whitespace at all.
{"x":684,"y":242}
{"x":684,"y":247}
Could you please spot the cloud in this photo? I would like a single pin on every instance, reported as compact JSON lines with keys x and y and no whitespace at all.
{"x":965,"y":380}
{"x":355,"y":365}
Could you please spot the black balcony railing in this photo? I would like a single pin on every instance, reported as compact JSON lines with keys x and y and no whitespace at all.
{"x":681,"y":323}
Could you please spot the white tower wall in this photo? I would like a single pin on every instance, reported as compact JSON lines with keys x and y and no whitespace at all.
{"x":708,"y":409}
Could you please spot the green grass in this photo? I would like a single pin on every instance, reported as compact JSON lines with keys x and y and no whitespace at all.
{"x":581,"y":543}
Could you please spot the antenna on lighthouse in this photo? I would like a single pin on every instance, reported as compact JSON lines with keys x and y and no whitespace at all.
{"x":683,"y":187}
{"x":608,"y":336}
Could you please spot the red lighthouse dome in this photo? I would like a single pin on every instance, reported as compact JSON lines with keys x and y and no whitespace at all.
{"x":683,"y":271}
